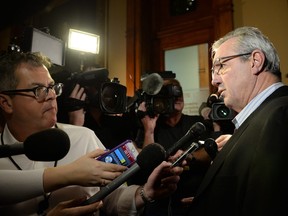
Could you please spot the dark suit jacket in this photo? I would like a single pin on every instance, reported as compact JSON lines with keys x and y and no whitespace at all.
{"x":249,"y":176}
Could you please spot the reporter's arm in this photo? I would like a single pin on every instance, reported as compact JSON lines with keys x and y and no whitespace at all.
{"x":19,"y":185}
{"x":86,"y":171}
{"x":74,"y":208}
{"x":161,"y":183}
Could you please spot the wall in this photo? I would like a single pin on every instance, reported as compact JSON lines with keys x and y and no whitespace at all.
{"x":116,"y":41}
{"x":271,"y":17}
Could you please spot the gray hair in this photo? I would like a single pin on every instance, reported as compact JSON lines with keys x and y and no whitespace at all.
{"x":249,"y":39}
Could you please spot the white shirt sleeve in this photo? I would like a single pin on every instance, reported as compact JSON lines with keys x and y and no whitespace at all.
{"x":20,"y":185}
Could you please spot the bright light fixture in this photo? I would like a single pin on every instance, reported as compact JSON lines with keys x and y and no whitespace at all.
{"x":83,"y":41}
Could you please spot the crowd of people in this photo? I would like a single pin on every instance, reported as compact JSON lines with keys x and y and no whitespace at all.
{"x":242,"y":176}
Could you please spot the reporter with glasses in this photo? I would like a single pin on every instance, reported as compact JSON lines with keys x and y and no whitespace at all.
{"x":28,"y":104}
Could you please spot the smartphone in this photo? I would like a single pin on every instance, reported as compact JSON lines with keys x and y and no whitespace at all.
{"x":124,"y":154}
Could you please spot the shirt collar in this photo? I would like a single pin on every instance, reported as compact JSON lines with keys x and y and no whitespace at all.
{"x":254,"y":104}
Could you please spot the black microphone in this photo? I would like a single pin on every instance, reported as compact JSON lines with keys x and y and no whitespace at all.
{"x":193,"y":133}
{"x":149,"y":158}
{"x":210,"y":147}
{"x":47,"y":145}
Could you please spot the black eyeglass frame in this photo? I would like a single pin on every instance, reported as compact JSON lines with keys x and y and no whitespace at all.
{"x":226,"y":58}
{"x":34,"y":90}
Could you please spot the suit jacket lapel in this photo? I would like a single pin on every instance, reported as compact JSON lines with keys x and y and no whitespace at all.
{"x":219,"y":159}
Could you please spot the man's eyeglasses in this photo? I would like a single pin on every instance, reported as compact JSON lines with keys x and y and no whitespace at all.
{"x":40,"y":92}
{"x":218,"y":65}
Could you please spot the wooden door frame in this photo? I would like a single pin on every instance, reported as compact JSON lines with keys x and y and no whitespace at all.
{"x":151,"y":31}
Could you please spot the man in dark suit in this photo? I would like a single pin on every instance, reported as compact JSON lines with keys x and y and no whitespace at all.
{"x":248,"y":176}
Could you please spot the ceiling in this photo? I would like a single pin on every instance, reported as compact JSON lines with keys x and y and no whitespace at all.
{"x":15,"y":11}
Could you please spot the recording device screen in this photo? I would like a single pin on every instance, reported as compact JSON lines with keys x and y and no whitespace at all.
{"x":124,"y":154}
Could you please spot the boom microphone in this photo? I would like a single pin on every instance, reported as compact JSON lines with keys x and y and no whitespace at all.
{"x":152,"y":83}
{"x":193,"y":133}
{"x":47,"y":145}
{"x":149,"y":158}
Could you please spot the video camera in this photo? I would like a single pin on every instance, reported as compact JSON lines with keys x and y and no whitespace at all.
{"x":158,"y":98}
{"x":219,"y":111}
{"x":163,"y":102}
{"x":108,"y":95}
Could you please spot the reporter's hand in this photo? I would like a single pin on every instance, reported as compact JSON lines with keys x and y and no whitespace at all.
{"x":74,"y":208}
{"x":162,"y":182}
{"x":85,"y":171}
{"x":88,"y":171}
{"x":221,"y":140}
{"x":186,"y":202}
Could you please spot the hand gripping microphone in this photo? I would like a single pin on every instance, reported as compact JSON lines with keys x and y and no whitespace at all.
{"x":193,"y":133}
{"x":209,"y":145}
{"x":47,"y":145}
{"x":149,"y":158}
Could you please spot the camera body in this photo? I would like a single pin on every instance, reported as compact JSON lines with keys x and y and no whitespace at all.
{"x":221,"y":112}
{"x":163,"y":102}
{"x":103,"y":93}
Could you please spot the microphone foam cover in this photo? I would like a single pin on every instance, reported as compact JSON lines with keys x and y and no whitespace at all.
{"x":47,"y":145}
{"x":150,"y":157}
{"x":198,"y":128}
{"x":152,"y":83}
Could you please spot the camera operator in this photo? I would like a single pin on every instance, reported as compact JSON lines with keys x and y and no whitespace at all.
{"x":166,"y":129}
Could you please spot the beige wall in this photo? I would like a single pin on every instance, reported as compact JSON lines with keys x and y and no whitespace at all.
{"x":116,"y":41}
{"x":271,"y":17}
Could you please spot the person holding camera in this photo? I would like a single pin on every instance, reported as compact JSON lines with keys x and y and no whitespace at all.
{"x":28,"y":102}
{"x":166,"y":129}
{"x":81,"y":104}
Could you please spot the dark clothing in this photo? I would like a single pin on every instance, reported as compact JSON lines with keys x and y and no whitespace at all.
{"x":112,"y":130}
{"x":191,"y":176}
{"x":248,"y":176}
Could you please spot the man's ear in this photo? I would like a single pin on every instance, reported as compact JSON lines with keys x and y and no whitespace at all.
{"x":6,"y":103}
{"x":258,"y":60}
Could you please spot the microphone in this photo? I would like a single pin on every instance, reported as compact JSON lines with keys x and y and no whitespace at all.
{"x":47,"y":145}
{"x":149,"y":158}
{"x":210,"y":147}
{"x":193,"y":133}
{"x":152,"y":83}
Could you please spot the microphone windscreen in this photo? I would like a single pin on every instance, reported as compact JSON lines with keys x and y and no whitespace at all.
{"x":150,"y":157}
{"x":198,"y":128}
{"x":47,"y":145}
{"x":152,"y":83}
{"x":211,"y":147}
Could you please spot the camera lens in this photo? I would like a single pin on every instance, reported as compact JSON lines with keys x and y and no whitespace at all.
{"x":113,"y":98}
{"x":223,"y":111}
